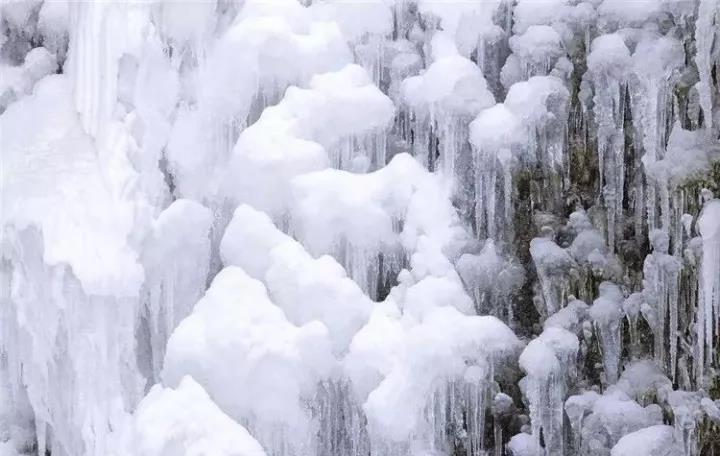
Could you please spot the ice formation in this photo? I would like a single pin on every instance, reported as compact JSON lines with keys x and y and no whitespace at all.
{"x":341,"y":228}
{"x":451,"y":90}
{"x":253,"y":349}
{"x":653,"y":440}
{"x":308,"y":130}
{"x":168,"y":419}
{"x":306,"y":288}
{"x":709,"y":284}
{"x":549,"y":361}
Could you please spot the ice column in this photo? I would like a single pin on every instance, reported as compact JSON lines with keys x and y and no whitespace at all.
{"x":654,"y":63}
{"x":708,"y":314}
{"x":549,"y":361}
{"x":495,"y":135}
{"x":607,"y":64}
{"x":661,"y":282}
{"x":554,"y":266}
{"x":176,"y":260}
{"x":705,"y":32}
{"x":606,"y":312}
{"x":95,"y":49}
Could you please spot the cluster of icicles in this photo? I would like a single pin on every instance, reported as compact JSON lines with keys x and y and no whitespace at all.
{"x":351,"y":228}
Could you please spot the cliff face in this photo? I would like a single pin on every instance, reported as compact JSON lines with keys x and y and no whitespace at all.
{"x":360,"y":228}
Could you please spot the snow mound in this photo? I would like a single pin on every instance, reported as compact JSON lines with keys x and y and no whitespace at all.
{"x":185,"y":422}
{"x":306,"y":288}
{"x":235,"y":340}
{"x":361,"y":208}
{"x":401,"y":357}
{"x":466,"y":23}
{"x":688,"y":154}
{"x":656,"y":440}
{"x":357,"y":20}
{"x":18,"y":81}
{"x":303,"y":133}
{"x":538,"y":12}
{"x":609,"y":55}
{"x":452,"y":84}
{"x":613,"y":416}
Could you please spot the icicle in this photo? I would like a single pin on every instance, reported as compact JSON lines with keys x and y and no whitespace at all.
{"x":491,"y":279}
{"x":363,"y":266}
{"x":342,"y":431}
{"x":577,"y":407}
{"x":607,"y":315}
{"x":360,"y":153}
{"x":422,"y":149}
{"x":554,"y":266}
{"x":485,"y":194}
{"x":661,"y":283}
{"x":77,"y":352}
{"x":655,"y":63}
{"x":687,"y":415}
{"x":502,"y":408}
{"x":176,"y":259}
{"x":450,"y":134}
{"x":607,"y":64}
{"x":456,"y":413}
{"x":494,"y":135}
{"x":611,"y":152}
{"x":549,"y":361}
{"x":708,"y":315}
{"x":371,"y":55}
{"x":537,"y":50}
{"x":705,"y":32}
{"x":95,"y":48}
{"x":631,"y":307}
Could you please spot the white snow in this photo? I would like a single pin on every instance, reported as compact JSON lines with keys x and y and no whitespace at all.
{"x":168,"y":420}
{"x":538,"y":12}
{"x":549,"y":361}
{"x":307,"y":131}
{"x":52,"y":179}
{"x":306,"y":288}
{"x":651,"y":441}
{"x":252,"y":348}
{"x":451,"y":84}
{"x":342,"y":228}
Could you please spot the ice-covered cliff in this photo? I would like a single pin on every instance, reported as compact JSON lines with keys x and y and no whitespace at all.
{"x":360,"y":228}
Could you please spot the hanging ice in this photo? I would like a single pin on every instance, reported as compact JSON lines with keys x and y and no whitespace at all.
{"x":549,"y":362}
{"x":307,"y":131}
{"x":608,"y":66}
{"x":607,"y":314}
{"x":708,"y":316}
{"x":278,"y":227}
{"x":176,"y":264}
{"x":442,"y":105}
{"x":661,"y":284}
{"x":554,"y":266}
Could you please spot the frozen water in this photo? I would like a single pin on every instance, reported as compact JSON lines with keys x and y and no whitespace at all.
{"x":375,"y":228}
